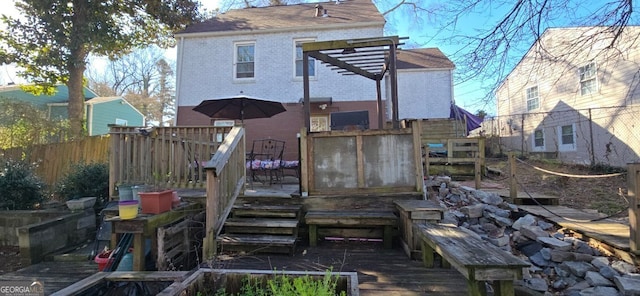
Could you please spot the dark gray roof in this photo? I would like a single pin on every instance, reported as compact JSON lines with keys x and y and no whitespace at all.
{"x":420,"y":58}
{"x":290,"y":17}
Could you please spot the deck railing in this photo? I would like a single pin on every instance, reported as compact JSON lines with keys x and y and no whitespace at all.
{"x":226,"y":175}
{"x":163,"y":156}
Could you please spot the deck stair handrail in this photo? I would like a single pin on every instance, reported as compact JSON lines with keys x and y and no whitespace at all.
{"x":225,"y":175}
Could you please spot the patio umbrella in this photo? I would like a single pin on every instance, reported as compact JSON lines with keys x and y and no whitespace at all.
{"x":239,"y":107}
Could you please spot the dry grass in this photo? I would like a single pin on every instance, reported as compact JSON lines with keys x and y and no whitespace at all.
{"x":607,"y":195}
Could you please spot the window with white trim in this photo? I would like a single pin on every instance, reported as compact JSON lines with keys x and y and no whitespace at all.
{"x":122,"y":122}
{"x":245,"y":60}
{"x":319,"y":123}
{"x":538,"y":140}
{"x":567,"y":137}
{"x":298,"y":59}
{"x":533,"y":100}
{"x":588,"y":81}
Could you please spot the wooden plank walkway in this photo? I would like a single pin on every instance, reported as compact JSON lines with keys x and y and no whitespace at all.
{"x":380,"y":271}
{"x":524,"y":198}
{"x":54,"y":275}
{"x":607,"y":232}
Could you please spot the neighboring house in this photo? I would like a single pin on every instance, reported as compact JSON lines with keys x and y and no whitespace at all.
{"x":574,"y":97}
{"x":100,"y":111}
{"x":425,"y":84}
{"x":258,"y":52}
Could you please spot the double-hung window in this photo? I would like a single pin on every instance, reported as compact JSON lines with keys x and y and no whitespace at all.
{"x":245,"y":60}
{"x":567,"y":135}
{"x":533,"y":100}
{"x":538,"y":140}
{"x":298,"y":60}
{"x":588,"y":81}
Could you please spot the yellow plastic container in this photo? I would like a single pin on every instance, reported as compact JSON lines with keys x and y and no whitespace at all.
{"x":128,"y":209}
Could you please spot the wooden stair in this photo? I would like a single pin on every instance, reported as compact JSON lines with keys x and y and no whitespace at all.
{"x":261,"y":227}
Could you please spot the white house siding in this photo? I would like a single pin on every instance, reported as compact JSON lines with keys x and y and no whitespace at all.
{"x":423,"y":94}
{"x":206,"y":68}
{"x":604,"y":134}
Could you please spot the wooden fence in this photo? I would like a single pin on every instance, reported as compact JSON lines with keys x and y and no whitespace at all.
{"x":362,"y":161}
{"x":55,"y":160}
{"x":163,"y":156}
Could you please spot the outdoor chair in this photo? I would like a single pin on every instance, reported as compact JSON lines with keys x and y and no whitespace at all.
{"x":264,"y":161}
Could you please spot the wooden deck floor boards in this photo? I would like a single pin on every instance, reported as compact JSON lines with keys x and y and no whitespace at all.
{"x":380,"y":271}
{"x":613,"y":233}
{"x":54,"y":275}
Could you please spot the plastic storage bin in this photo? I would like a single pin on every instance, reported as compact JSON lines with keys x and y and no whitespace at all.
{"x":128,"y":209}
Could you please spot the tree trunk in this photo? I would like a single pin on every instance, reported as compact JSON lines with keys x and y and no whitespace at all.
{"x":76,"y":66}
{"x":76,"y":102}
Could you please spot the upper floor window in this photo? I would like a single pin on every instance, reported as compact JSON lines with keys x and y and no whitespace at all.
{"x":298,"y":60}
{"x":588,"y":82}
{"x":533,"y":101}
{"x":245,"y":59}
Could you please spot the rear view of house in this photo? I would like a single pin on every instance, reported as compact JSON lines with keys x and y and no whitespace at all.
{"x":258,"y":52}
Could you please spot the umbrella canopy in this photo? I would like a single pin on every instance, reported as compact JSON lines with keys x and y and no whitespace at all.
{"x":239,"y":107}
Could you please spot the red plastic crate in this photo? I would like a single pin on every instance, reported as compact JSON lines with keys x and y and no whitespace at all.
{"x":156,"y":202}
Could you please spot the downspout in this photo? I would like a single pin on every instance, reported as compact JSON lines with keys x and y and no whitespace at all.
{"x":180,"y":58}
{"x":90,"y":119}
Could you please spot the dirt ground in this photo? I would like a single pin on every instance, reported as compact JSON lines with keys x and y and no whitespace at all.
{"x":9,"y":259}
{"x":607,"y":195}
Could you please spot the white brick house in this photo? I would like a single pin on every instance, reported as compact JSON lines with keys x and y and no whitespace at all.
{"x":257,"y":52}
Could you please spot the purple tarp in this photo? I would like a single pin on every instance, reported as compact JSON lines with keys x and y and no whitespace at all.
{"x":473,"y":121}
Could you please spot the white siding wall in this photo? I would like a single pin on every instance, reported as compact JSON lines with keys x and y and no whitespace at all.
{"x":205,"y":69}
{"x":562,"y":103}
{"x":424,"y":94}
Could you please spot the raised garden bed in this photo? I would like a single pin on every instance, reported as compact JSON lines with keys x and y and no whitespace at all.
{"x":124,"y":283}
{"x":207,"y":281}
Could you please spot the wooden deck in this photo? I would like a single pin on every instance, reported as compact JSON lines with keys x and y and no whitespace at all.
{"x":380,"y":271}
{"x":608,"y":233}
{"x":54,"y":275}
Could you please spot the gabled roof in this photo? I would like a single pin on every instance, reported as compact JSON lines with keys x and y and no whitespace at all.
{"x":61,"y":95}
{"x":298,"y":16}
{"x":421,"y":58}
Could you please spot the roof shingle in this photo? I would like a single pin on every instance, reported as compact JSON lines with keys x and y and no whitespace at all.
{"x":292,"y":17}
{"x":430,"y":58}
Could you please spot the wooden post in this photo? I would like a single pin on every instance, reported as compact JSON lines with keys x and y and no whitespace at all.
{"x":416,"y":128}
{"x":513,"y":184}
{"x":209,"y":247}
{"x":303,"y":165}
{"x":478,"y":172}
{"x":633,"y":178}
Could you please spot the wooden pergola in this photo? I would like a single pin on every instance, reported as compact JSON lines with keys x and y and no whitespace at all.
{"x":368,"y":57}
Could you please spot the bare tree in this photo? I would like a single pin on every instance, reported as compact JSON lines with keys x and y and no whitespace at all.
{"x":144,"y":78}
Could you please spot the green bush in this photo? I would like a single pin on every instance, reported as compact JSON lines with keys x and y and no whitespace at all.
{"x":20,"y":188}
{"x":85,"y":180}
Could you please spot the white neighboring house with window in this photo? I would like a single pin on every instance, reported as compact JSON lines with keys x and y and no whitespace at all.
{"x":574,"y":98}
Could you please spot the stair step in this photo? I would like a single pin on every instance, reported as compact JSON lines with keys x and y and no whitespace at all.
{"x":264,"y":223}
{"x":264,"y":210}
{"x":247,"y":239}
